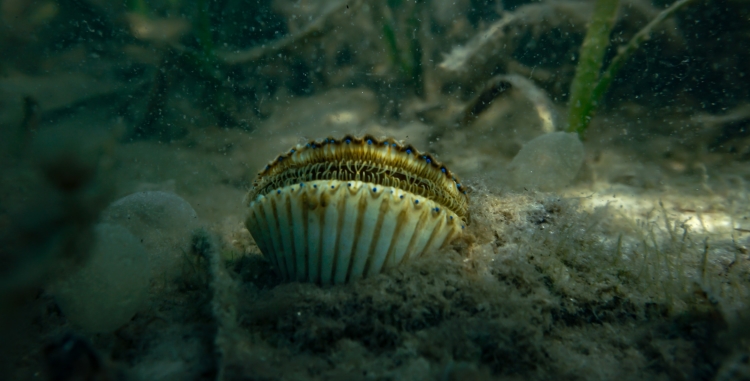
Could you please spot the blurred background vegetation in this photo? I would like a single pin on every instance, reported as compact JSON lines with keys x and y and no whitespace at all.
{"x":160,"y":65}
{"x":103,"y":98}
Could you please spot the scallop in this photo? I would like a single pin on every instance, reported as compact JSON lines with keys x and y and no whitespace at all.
{"x":337,"y":210}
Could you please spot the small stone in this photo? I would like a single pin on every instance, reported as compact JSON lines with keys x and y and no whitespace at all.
{"x":548,"y":162}
{"x":163,"y":223}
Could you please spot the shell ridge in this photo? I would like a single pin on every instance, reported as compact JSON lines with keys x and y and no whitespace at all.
{"x":404,"y":229}
{"x":256,"y":231}
{"x":284,"y":223}
{"x":340,"y":206}
{"x":289,"y":228}
{"x":270,"y":210}
{"x":298,"y":210}
{"x":372,"y":216}
{"x":316,"y":268}
{"x":449,"y":228}
{"x":376,"y":235}
{"x":350,"y":210}
{"x":259,"y":211}
{"x":437,"y":228}
{"x":270,"y":234}
{"x":388,"y":235}
{"x":327,"y":235}
{"x":415,"y":233}
{"x":358,"y":230}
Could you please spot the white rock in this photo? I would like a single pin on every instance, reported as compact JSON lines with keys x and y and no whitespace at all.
{"x":548,"y":162}
{"x":111,"y":286}
{"x":162,"y":222}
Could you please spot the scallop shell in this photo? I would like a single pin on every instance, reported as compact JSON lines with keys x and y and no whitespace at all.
{"x":334,"y":211}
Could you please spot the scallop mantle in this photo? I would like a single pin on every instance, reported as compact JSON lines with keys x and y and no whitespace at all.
{"x":337,"y":210}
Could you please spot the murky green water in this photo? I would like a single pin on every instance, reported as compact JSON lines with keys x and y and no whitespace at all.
{"x":131,"y":132}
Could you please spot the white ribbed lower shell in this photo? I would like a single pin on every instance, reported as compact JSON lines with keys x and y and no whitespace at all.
{"x":334,"y":232}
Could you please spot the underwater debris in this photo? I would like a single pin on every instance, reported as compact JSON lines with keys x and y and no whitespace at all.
{"x":321,"y":25}
{"x":336,"y":210}
{"x":498,"y":85}
{"x":728,"y":132}
{"x":491,"y":50}
{"x":463,"y":57}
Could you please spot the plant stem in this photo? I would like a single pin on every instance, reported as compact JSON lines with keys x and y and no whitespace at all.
{"x":583,"y":102}
{"x":390,"y":37}
{"x":625,"y":52}
{"x":589,"y":64}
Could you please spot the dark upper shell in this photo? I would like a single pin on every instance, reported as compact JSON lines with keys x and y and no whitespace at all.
{"x":386,"y":162}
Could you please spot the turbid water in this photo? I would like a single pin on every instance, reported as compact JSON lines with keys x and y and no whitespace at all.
{"x":132,"y":133}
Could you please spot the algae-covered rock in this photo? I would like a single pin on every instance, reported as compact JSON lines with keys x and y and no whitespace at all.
{"x":111,"y":286}
{"x":548,"y":162}
{"x":162,"y":222}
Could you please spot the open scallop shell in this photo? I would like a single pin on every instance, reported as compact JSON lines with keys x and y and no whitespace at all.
{"x":340,"y":210}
